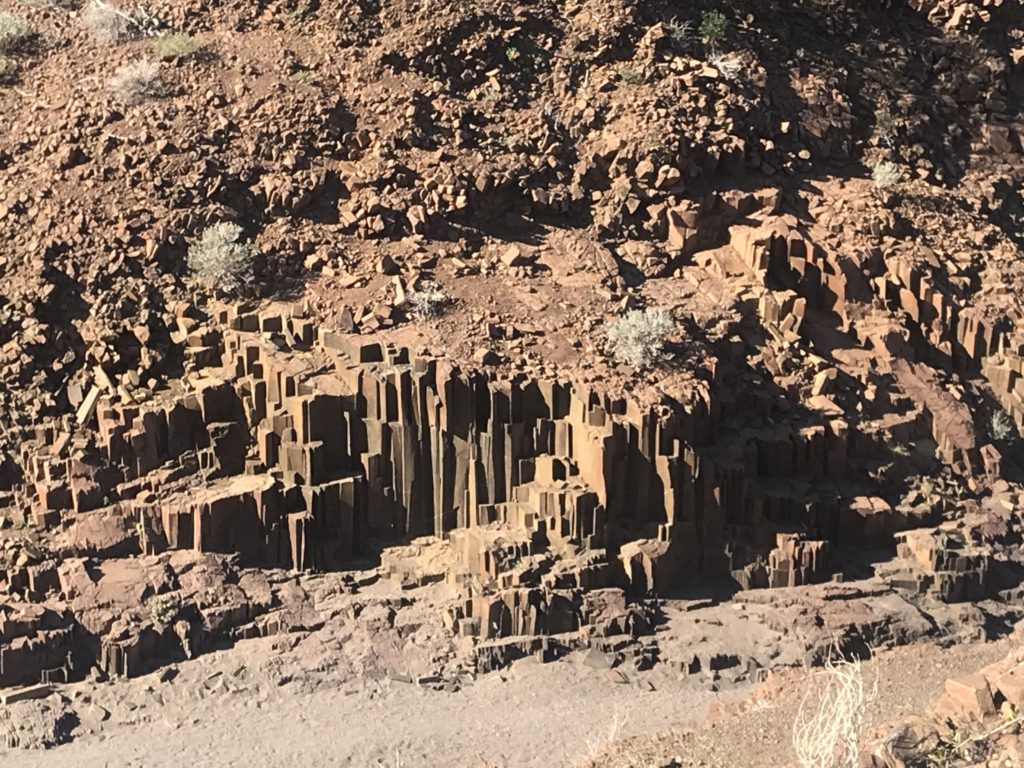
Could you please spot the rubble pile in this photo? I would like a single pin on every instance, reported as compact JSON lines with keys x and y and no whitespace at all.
{"x":976,"y":721}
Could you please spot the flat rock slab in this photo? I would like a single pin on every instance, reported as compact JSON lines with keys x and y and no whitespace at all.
{"x":25,"y":694}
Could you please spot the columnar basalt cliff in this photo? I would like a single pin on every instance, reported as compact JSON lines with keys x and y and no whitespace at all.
{"x":313,"y":447}
{"x":294,"y":447}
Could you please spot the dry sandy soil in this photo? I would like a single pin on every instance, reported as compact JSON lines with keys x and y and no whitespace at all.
{"x":530,"y":715}
{"x":555,"y":715}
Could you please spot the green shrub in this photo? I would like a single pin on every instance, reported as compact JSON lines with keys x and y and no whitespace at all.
{"x":713,"y":25}
{"x":163,"y":609}
{"x":885,"y":126}
{"x":631,"y":75}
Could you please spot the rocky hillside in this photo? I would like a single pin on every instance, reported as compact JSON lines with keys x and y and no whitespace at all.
{"x":367,"y":140}
{"x":582,"y":308}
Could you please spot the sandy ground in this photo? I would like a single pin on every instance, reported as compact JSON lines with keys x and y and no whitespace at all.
{"x":326,"y":698}
{"x":532,"y":715}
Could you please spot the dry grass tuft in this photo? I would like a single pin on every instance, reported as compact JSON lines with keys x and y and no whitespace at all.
{"x":109,"y":24}
{"x":827,"y":729}
{"x":176,"y":45}
{"x":611,"y":733}
{"x":427,"y":303}
{"x":106,"y":23}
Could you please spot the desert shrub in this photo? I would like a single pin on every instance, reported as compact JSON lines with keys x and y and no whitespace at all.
{"x":307,"y":77}
{"x":13,"y":29}
{"x":112,"y":25}
{"x":426,"y":303}
{"x":106,"y":23}
{"x":176,"y":45}
{"x":730,"y":66}
{"x":136,"y":82}
{"x":631,"y":75}
{"x":163,"y":609}
{"x":638,"y":337}
{"x":678,"y":31}
{"x":712,"y":27}
{"x":900,"y":449}
{"x":828,"y":723}
{"x":1002,"y":426}
{"x":969,"y":744}
{"x":885,"y":126}
{"x":527,"y":54}
{"x":885,"y":174}
{"x":220,"y":261}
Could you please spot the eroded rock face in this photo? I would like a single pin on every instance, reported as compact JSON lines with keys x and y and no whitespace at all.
{"x":314,"y":447}
{"x":310,"y":450}
{"x":125,"y":615}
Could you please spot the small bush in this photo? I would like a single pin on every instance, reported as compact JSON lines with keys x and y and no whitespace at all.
{"x":1002,"y":426}
{"x":678,"y":31}
{"x":885,"y":127}
{"x":885,"y":174}
{"x":307,"y":77}
{"x":631,"y":75}
{"x":427,"y":303}
{"x":713,"y":25}
{"x":638,"y":337}
{"x":175,"y":46}
{"x":107,"y":24}
{"x":220,"y":261}
{"x":13,"y":29}
{"x":136,"y":82}
{"x":900,"y":449}
{"x":163,"y":609}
